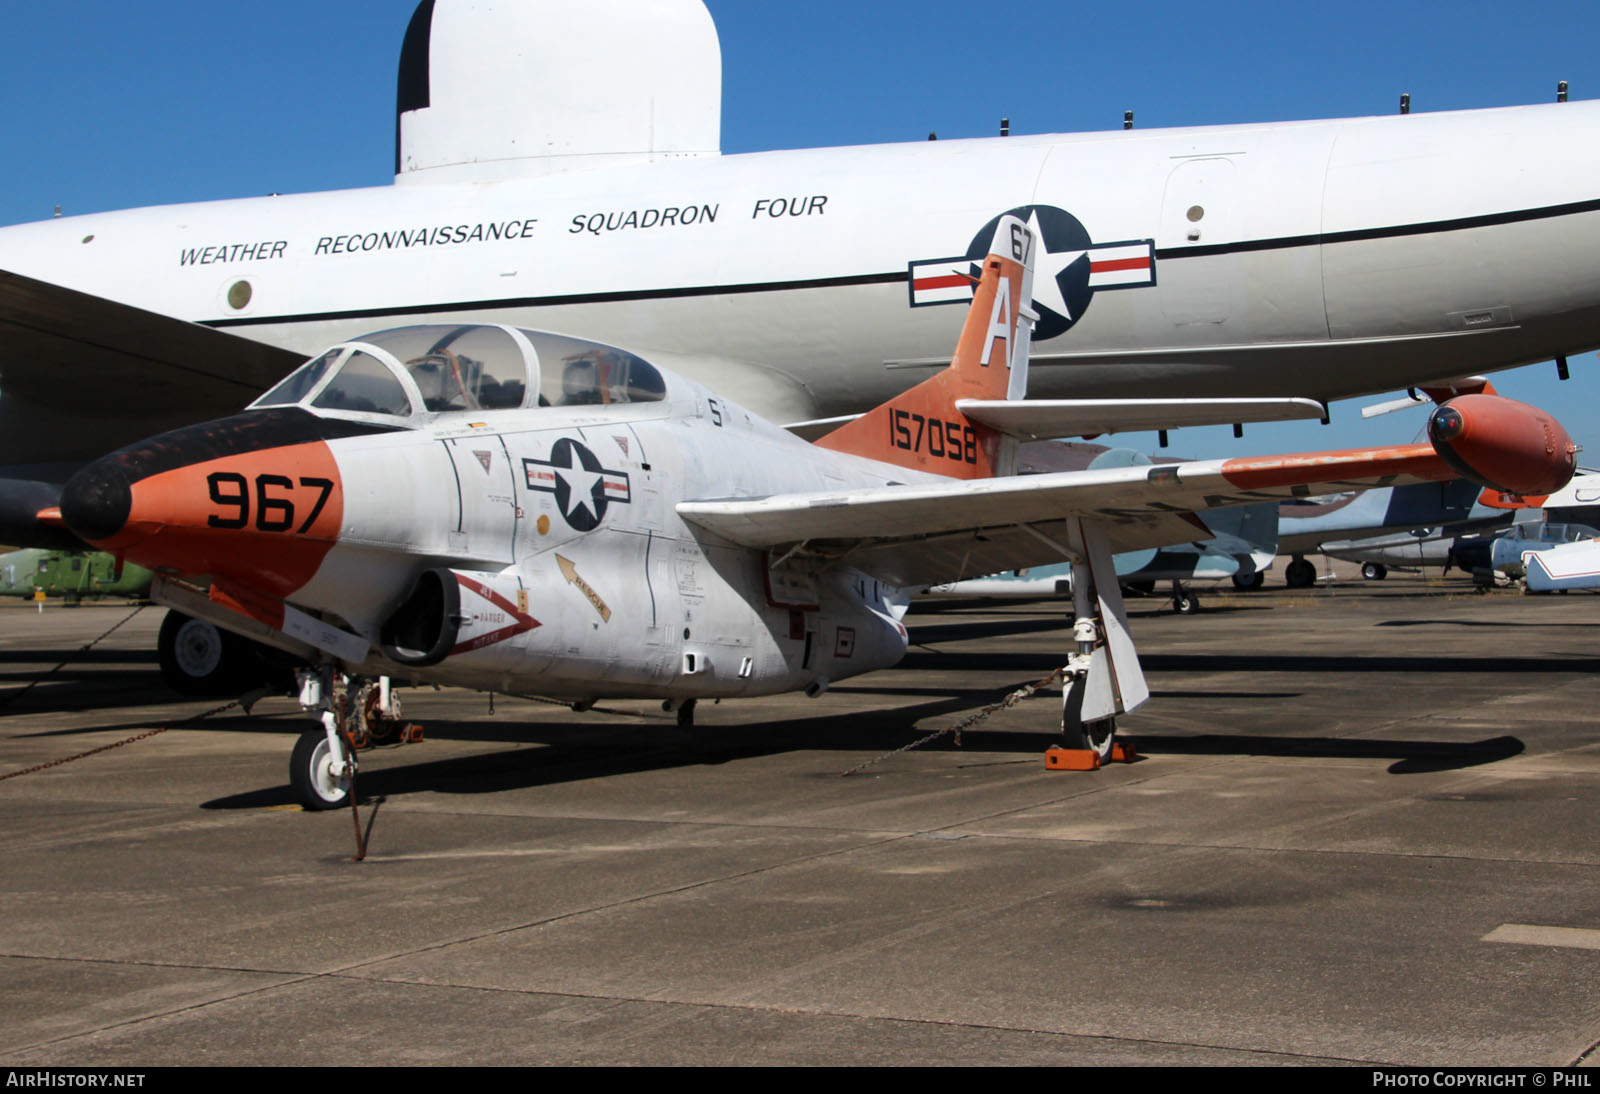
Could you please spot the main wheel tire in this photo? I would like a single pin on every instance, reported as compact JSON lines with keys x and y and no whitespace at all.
{"x":1299,"y":574}
{"x":1252,"y":580}
{"x":311,"y":777}
{"x":1374,"y":571}
{"x":1098,"y":737}
{"x":197,"y":658}
{"x":1185,"y":603}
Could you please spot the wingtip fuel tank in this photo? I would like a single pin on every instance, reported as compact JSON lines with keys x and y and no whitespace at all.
{"x":1504,"y":444}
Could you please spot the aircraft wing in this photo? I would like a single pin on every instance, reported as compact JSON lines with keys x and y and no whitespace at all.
{"x":1044,"y":419}
{"x":1048,"y":419}
{"x":924,"y":533}
{"x":82,"y":375}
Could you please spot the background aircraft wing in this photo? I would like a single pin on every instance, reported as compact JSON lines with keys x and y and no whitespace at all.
{"x":81,"y":375}
{"x":926,"y":533}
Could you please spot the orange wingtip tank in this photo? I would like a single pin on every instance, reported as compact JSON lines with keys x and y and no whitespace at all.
{"x":1510,"y":446}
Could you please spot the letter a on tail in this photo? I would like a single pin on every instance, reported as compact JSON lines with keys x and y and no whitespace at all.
{"x":923,"y":428}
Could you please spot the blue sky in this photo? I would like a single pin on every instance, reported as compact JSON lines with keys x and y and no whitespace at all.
{"x":113,"y":105}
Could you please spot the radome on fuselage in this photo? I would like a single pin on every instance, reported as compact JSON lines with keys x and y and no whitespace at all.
{"x":1321,"y":259}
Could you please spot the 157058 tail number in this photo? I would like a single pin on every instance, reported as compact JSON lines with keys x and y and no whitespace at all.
{"x":938,"y":438}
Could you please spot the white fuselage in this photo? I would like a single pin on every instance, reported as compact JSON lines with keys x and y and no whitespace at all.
{"x":1323,"y":258}
{"x":629,"y":600}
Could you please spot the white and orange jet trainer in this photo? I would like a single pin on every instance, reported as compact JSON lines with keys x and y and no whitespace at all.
{"x":484,"y":506}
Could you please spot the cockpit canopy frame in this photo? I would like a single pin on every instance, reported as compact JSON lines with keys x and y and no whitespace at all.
{"x":411,"y":375}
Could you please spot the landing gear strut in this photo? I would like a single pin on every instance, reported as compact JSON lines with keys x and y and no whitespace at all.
{"x":1102,"y":677}
{"x":356,"y":712}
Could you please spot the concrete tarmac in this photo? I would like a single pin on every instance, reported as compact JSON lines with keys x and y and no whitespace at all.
{"x":1365,"y":831}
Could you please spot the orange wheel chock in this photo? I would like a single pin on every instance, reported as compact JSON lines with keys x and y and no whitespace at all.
{"x":1072,"y":759}
{"x":1085,"y":759}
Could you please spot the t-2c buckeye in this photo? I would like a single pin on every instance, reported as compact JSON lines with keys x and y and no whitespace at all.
{"x":495,"y":508}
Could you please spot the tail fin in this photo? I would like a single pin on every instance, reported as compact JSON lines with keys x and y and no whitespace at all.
{"x":923,"y":428}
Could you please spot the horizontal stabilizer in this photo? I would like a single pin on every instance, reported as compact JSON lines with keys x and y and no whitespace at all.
{"x":1043,"y":419}
{"x":813,"y":428}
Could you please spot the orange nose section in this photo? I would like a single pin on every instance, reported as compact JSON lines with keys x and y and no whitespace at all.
{"x":266,"y":518}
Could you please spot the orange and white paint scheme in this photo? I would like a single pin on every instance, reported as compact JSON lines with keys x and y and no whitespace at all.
{"x":504,"y":509}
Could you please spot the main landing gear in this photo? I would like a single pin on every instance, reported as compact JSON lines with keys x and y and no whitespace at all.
{"x":356,"y":712}
{"x":1102,"y":678}
{"x":200,"y":659}
{"x":197,"y":658}
{"x":1299,"y":574}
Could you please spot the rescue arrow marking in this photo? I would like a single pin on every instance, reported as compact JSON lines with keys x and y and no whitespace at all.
{"x":570,"y":572}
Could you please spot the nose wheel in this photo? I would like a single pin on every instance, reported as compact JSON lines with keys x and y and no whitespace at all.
{"x":355,"y":713}
{"x":321,"y":772}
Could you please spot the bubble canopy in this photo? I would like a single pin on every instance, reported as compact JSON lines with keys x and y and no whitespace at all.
{"x":419,"y":372}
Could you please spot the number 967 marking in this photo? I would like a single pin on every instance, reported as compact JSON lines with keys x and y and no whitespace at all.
{"x":938,"y":438}
{"x":274,"y":513}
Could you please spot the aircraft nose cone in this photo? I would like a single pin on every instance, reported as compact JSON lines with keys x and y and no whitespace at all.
{"x":96,"y":501}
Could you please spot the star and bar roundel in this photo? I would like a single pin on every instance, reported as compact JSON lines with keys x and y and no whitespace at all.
{"x":583,"y":488}
{"x":1071,"y":268}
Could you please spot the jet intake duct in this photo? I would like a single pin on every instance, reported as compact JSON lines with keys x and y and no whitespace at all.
{"x":423,"y":629}
{"x":452,"y":613}
{"x":1504,"y":444}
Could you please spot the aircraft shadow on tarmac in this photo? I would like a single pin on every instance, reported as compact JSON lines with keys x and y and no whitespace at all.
{"x":598,"y":749}
{"x":1411,"y":757}
{"x":1474,"y":623}
{"x":1312,"y":663}
{"x":35,"y":657}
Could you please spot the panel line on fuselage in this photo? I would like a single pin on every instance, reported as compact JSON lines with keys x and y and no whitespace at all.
{"x":1395,"y":231}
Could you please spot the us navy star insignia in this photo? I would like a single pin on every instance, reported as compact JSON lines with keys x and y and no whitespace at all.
{"x":582,"y":487}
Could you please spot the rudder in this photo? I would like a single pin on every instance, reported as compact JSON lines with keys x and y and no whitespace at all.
{"x":923,"y":428}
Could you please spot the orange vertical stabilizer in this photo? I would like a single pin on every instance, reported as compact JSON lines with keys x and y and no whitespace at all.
{"x":922,"y":428}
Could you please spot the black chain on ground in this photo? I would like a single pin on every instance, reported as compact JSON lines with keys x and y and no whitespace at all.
{"x":970,"y":720}
{"x":79,"y":652}
{"x":245,"y":701}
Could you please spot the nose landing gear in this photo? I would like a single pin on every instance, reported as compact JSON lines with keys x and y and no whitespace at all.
{"x":356,"y":713}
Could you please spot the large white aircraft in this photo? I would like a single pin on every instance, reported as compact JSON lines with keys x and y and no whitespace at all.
{"x":485,"y":506}
{"x":1315,"y":259}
